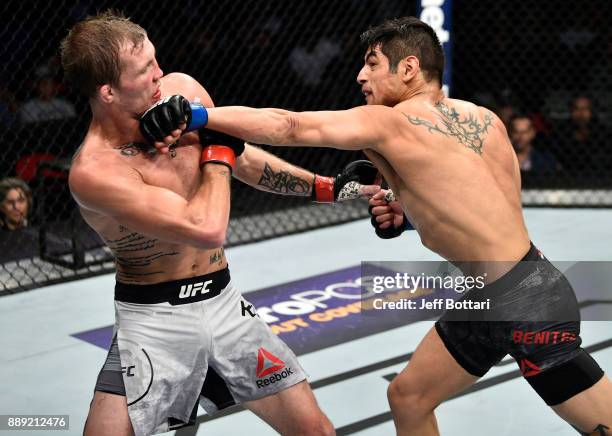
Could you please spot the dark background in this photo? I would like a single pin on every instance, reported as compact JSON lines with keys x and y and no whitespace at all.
{"x":512,"y":57}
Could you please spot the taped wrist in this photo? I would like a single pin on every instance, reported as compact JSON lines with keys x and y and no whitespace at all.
{"x":219,"y":154}
{"x":198,"y":117}
{"x":212,"y":137}
{"x":323,"y":189}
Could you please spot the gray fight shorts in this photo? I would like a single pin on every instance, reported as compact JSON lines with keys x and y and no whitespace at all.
{"x":184,"y":341}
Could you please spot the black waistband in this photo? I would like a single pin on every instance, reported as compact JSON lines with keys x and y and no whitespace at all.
{"x":533,"y":254}
{"x":175,"y":292}
{"x":522,"y":269}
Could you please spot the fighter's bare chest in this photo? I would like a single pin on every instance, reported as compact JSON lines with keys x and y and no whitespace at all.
{"x":385,"y":168}
{"x":177,"y":171}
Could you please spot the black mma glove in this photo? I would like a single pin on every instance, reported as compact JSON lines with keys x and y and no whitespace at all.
{"x":212,"y":137}
{"x":346,"y":185}
{"x":391,"y":231}
{"x":165,"y":116}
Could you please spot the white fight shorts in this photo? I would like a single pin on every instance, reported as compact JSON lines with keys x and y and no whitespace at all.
{"x":184,"y":341}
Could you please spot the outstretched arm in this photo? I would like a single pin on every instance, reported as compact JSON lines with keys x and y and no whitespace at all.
{"x":266,"y":172}
{"x":254,"y":166}
{"x":353,"y":129}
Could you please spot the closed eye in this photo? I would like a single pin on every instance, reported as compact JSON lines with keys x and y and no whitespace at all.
{"x":146,"y":68}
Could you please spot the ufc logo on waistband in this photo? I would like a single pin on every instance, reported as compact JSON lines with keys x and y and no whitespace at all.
{"x":192,"y":289}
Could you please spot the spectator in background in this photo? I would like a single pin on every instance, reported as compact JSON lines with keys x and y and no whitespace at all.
{"x":581,"y":141}
{"x":8,"y":107}
{"x":505,"y":110}
{"x":15,"y":203}
{"x":46,"y":106}
{"x":531,"y":159}
{"x":309,"y":64}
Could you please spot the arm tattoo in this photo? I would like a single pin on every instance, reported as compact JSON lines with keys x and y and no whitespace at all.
{"x":283,"y":182}
{"x":218,"y":170}
{"x":227,"y":174}
{"x":469,"y":131}
{"x":217,"y":257}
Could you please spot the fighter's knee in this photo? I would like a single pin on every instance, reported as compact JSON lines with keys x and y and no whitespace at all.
{"x":108,"y":415}
{"x":408,"y":398}
{"x":326,"y":428}
{"x":90,"y":429}
{"x":316,"y":426}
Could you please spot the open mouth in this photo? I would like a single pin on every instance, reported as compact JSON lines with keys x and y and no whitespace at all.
{"x":157,"y":94}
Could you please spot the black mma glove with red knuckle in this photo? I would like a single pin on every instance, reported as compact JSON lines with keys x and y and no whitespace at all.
{"x":165,"y":116}
{"x":219,"y":147}
{"x":346,"y":185}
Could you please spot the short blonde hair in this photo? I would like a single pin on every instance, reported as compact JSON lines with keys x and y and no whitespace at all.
{"x":91,"y":50}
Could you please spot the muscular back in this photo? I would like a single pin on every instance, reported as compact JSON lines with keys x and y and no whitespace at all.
{"x":140,"y":257}
{"x":457,"y":178}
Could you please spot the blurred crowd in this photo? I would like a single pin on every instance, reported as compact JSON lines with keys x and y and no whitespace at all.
{"x":579,"y":144}
{"x":307,"y":57}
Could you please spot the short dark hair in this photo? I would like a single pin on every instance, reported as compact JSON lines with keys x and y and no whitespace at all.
{"x":90,"y":51}
{"x":581,"y":96}
{"x":522,"y":116}
{"x":402,"y":37}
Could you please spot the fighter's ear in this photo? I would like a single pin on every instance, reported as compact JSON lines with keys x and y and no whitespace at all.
{"x":106,"y":93}
{"x":408,"y":68}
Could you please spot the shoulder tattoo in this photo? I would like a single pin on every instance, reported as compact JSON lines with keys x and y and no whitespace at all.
{"x":467,"y":129}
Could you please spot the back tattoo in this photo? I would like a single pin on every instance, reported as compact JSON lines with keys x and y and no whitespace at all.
{"x":468,"y":130}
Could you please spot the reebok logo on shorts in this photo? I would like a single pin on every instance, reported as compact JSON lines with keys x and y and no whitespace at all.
{"x":268,"y":363}
{"x":529,"y":369}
